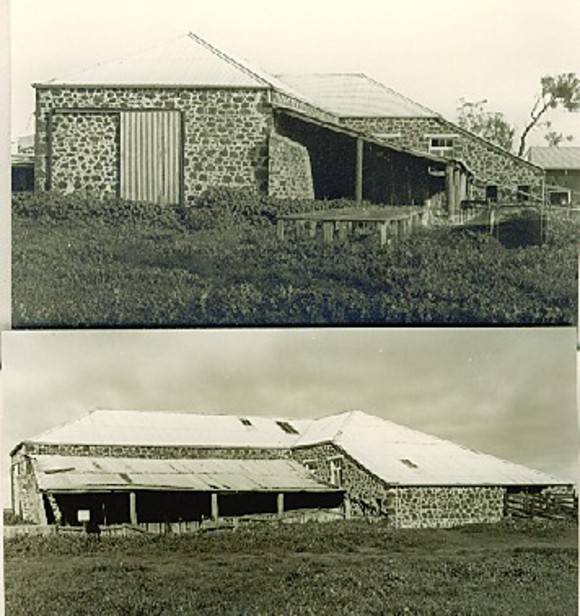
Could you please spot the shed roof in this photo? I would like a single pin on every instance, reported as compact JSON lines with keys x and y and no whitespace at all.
{"x":555,"y":158}
{"x":354,"y":95}
{"x":84,"y":473}
{"x":394,"y":453}
{"x":173,"y":428}
{"x":183,"y":61}
{"x":397,"y":454}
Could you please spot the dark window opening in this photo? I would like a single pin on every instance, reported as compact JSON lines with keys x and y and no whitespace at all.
{"x":491,"y":193}
{"x":408,"y":463}
{"x":246,"y":421}
{"x":288,"y":428}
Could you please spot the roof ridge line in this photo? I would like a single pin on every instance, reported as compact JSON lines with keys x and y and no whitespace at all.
{"x":397,"y":93}
{"x":237,"y":63}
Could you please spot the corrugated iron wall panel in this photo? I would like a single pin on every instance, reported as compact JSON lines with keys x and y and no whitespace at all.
{"x":150,"y":156}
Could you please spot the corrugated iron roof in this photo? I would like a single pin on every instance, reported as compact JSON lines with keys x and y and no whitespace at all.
{"x":379,"y":445}
{"x":84,"y":473}
{"x":184,"y":61}
{"x":168,"y":428}
{"x":383,"y":447}
{"x":555,"y":158}
{"x":354,"y":95}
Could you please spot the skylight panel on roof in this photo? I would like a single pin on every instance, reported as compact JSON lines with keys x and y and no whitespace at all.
{"x":408,"y":463}
{"x":287,"y":427}
{"x":246,"y":421}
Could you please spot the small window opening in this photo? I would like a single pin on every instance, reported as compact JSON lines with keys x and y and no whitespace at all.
{"x":408,"y":463}
{"x":491,"y":193}
{"x":246,"y":421}
{"x":288,"y":428}
{"x":441,"y":146}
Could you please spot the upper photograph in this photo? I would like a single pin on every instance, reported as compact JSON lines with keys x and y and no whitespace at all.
{"x":219,"y":164}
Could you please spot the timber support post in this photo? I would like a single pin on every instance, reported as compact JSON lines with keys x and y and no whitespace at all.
{"x":133,"y":508}
{"x":450,"y":189}
{"x":358,"y":187}
{"x":215,"y":512}
{"x":280,"y":504}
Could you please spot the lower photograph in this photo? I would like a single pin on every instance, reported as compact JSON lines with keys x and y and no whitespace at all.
{"x":284,"y":471}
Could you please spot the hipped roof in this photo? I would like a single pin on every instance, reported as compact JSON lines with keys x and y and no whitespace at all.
{"x":92,"y":474}
{"x":393,"y":453}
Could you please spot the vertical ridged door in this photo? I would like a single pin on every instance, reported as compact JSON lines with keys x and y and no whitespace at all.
{"x":150,"y":156}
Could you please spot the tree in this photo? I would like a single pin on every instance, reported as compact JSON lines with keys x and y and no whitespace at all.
{"x":490,"y":125}
{"x":562,"y":90}
{"x":554,"y":138}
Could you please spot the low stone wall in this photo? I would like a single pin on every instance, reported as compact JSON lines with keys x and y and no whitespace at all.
{"x":289,"y":171}
{"x":444,"y":507}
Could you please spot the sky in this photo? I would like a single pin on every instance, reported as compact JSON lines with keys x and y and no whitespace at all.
{"x":433,"y":52}
{"x":510,"y":392}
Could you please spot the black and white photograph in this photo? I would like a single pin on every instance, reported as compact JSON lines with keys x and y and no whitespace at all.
{"x":220,"y":163}
{"x":289,"y":308}
{"x":353,"y":471}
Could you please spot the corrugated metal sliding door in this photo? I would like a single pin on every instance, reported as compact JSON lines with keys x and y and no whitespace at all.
{"x":151,"y":156}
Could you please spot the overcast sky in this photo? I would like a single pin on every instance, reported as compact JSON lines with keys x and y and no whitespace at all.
{"x":507,"y":392}
{"x":434,"y":52}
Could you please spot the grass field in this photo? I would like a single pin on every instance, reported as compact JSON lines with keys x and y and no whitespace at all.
{"x":127,"y":266}
{"x":334,"y":568}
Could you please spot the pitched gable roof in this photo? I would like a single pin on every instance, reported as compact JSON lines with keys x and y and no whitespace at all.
{"x":555,"y":158}
{"x":393,"y":453}
{"x":354,"y":95}
{"x":186,"y":60}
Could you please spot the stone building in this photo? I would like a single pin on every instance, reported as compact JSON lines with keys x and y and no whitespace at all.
{"x":562,"y":166}
{"x":361,"y":103}
{"x":166,"y":124}
{"x":145,"y":467}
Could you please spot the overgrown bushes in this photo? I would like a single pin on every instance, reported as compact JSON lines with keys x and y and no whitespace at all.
{"x":217,"y":262}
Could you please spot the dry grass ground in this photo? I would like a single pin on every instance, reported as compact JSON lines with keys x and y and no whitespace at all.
{"x":334,"y":568}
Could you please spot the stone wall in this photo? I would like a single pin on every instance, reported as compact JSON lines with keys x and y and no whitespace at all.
{"x":289,"y":172}
{"x":154,"y":451}
{"x":84,"y":151}
{"x":369,"y":495}
{"x":225,"y":133}
{"x":444,"y":507}
{"x":27,"y":502}
{"x":489,"y":163}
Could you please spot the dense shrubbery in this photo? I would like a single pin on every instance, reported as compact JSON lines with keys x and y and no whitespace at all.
{"x":217,"y":261}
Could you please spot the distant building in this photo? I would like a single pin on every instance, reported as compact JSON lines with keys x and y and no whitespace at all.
{"x":562,"y":166}
{"x":148,"y":468}
{"x":22,"y":162}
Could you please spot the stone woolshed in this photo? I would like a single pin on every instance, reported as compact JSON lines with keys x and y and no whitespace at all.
{"x":139,"y":468}
{"x":168,"y":123}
